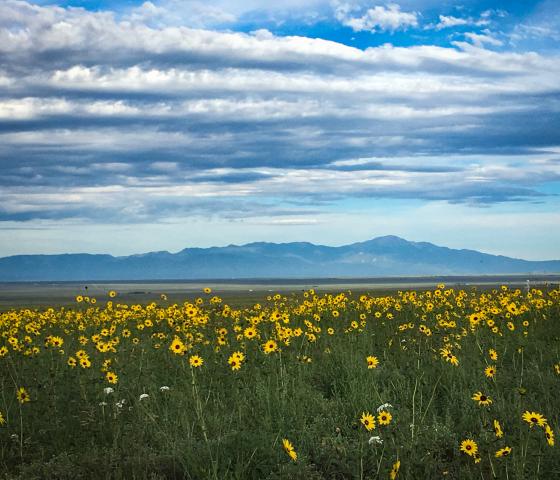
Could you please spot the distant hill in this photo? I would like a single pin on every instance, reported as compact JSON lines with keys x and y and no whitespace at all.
{"x":382,"y":256}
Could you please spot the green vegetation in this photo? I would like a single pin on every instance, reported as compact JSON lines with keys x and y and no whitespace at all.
{"x":443,"y":383}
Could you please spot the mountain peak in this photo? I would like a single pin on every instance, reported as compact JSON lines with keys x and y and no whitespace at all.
{"x":390,"y":239}
{"x":387,"y":255}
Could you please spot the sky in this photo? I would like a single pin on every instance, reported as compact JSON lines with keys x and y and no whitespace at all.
{"x":129,"y":126}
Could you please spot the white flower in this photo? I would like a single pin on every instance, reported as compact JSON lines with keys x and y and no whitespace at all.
{"x":163,"y":389}
{"x":108,"y":390}
{"x":143,"y":396}
{"x":120,"y":403}
{"x":14,"y":436}
{"x":385,"y":406}
{"x":102,"y":404}
{"x":377,"y":439}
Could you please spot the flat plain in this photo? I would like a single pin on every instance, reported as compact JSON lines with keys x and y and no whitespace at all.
{"x":407,"y":378}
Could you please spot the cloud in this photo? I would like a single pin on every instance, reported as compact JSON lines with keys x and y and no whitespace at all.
{"x":450,"y":21}
{"x":180,"y":13}
{"x":376,"y":19}
{"x":481,"y":39}
{"x":115,"y":118}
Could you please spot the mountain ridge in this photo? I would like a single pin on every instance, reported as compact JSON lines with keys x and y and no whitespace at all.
{"x":387,"y":255}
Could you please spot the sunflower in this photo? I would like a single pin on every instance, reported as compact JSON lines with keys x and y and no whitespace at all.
{"x":85,"y":362}
{"x":2,"y":419}
{"x":469,"y":447}
{"x":534,"y":418}
{"x":234,"y":363}
{"x":196,"y":361}
{"x":177,"y":346}
{"x":71,"y":362}
{"x":549,"y":434}
{"x":270,"y":346}
{"x":239,"y":355}
{"x":493,"y":354}
{"x":448,"y":356}
{"x":384,"y":417}
{"x":498,"y":429}
{"x":22,"y":395}
{"x":482,"y":399}
{"x":490,"y":371}
{"x":207,"y":290}
{"x":372,"y":362}
{"x":112,"y":377}
{"x":395,"y":470}
{"x":502,"y":452}
{"x":112,"y":294}
{"x":289,"y":448}
{"x":250,"y":332}
{"x":512,"y":308}
{"x":475,"y":318}
{"x":368,"y":421}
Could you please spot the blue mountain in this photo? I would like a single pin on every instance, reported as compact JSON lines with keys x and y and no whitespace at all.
{"x":382,"y":256}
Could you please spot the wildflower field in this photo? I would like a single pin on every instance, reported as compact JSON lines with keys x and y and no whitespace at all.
{"x":442,"y":383}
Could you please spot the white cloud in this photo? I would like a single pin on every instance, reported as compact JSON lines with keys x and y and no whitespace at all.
{"x":180,"y":13}
{"x":451,"y":21}
{"x":481,"y":39}
{"x":379,"y":18}
{"x":146,"y":119}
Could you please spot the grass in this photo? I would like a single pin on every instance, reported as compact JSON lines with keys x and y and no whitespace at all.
{"x":312,"y":388}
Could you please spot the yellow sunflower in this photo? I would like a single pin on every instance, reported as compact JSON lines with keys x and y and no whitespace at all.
{"x":534,"y":418}
{"x":372,"y":362}
{"x":502,"y":452}
{"x":395,"y":470}
{"x":289,"y":448}
{"x":482,"y":399}
{"x":22,"y":395}
{"x":196,"y":361}
{"x":549,"y":434}
{"x":384,"y":417}
{"x":498,"y":429}
{"x":270,"y":346}
{"x":368,"y":421}
{"x":469,"y":447}
{"x":112,"y":377}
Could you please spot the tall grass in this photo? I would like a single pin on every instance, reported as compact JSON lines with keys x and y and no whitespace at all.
{"x":168,"y":419}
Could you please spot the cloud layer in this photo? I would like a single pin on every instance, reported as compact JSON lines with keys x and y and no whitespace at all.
{"x":135,"y":117}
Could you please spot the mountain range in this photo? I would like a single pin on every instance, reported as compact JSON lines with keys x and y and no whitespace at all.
{"x":381,"y":256}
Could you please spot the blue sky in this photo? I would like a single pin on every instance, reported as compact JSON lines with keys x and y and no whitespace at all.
{"x":134,"y":126}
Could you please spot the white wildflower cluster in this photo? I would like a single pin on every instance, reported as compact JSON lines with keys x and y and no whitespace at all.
{"x":163,"y":389}
{"x":108,"y":390}
{"x":385,"y":406}
{"x":143,"y":396}
{"x":375,"y":440}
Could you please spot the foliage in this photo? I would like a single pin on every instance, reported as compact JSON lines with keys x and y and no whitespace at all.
{"x":441,"y":383}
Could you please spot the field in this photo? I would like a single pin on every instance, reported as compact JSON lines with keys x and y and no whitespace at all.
{"x":442,"y":382}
